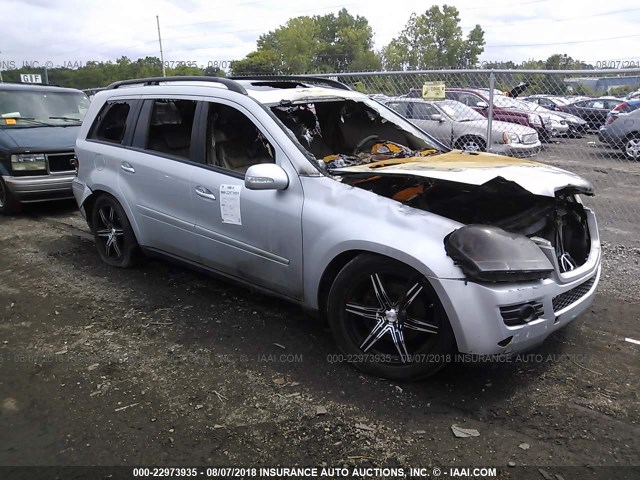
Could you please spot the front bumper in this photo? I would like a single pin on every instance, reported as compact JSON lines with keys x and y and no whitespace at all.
{"x":560,"y":130}
{"x":517,"y":149}
{"x":481,"y":328}
{"x":40,"y":188}
{"x":477,"y":321}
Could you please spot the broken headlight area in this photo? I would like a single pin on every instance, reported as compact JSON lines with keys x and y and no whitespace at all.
{"x":491,"y":254}
{"x":559,"y":223}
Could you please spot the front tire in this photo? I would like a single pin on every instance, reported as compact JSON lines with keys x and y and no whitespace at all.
{"x":388,"y":321}
{"x":8,"y":203}
{"x":471,"y":144}
{"x":115,"y":240}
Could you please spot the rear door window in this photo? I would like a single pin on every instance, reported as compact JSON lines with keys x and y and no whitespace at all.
{"x":170,"y":127}
{"x":399,"y":107}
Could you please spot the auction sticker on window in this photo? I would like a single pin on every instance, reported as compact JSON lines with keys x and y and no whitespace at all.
{"x":230,"y":204}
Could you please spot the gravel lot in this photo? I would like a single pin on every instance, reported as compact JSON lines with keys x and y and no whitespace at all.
{"x":163,"y":366}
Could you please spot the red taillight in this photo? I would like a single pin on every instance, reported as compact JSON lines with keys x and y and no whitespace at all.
{"x":611,"y":119}
{"x":621,"y":107}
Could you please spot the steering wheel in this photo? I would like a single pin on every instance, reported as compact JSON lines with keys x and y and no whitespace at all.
{"x":363,"y":142}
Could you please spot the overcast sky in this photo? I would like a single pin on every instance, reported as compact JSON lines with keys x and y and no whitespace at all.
{"x":205,"y":31}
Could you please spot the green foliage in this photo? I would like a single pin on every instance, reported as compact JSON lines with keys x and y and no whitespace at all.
{"x":621,"y":91}
{"x":434,"y":40}
{"x":323,"y":43}
{"x":101,"y":74}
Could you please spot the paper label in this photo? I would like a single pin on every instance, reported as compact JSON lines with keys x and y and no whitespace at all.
{"x":433,"y":91}
{"x":230,"y":204}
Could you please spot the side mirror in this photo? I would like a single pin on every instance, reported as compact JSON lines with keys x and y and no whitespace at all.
{"x":482,"y":105}
{"x":266,"y":176}
{"x":436,"y":117}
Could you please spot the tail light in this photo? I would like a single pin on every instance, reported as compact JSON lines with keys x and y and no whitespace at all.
{"x":611,"y":118}
{"x":621,"y":107}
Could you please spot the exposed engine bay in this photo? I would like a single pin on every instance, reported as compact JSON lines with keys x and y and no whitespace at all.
{"x":341,"y":133}
{"x":501,"y":203}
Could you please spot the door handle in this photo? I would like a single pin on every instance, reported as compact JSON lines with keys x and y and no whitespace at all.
{"x":127,"y":167}
{"x":205,"y":193}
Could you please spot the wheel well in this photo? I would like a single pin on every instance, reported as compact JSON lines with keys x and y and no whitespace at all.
{"x":632,"y":135}
{"x":90,"y":202}
{"x":329,"y":275}
{"x":331,"y":272}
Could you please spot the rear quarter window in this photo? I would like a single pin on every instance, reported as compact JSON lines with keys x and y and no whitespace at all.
{"x":111,"y":123}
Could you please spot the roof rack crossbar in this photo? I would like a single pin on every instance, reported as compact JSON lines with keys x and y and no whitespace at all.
{"x":296,"y":78}
{"x":230,"y":84}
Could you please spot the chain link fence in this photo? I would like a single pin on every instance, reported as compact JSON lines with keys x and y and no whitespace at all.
{"x":586,"y":122}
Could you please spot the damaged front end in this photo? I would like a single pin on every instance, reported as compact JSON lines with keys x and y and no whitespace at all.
{"x":510,"y":234}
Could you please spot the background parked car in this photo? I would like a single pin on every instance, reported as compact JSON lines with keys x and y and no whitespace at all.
{"x":461,"y":127}
{"x":38,"y":129}
{"x":577,"y":126}
{"x":559,"y":126}
{"x":594,"y":111}
{"x":504,"y":109}
{"x":622,"y":129}
{"x":550,"y":102}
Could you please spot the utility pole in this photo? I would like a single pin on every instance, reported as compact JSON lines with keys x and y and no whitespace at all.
{"x":164,"y":73}
{"x":1,"y":79}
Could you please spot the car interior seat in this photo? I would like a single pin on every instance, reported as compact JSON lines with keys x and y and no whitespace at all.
{"x":168,"y":132}
{"x":236,"y":144}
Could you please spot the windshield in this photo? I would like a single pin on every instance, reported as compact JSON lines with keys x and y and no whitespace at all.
{"x":459,"y":112}
{"x":506,"y":102}
{"x":33,"y":108}
{"x":350,"y":132}
{"x":532,"y":107}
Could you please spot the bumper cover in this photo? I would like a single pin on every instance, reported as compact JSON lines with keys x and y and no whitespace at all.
{"x":40,"y":188}
{"x":476,"y":319}
{"x":517,"y":149}
{"x":474,"y":309}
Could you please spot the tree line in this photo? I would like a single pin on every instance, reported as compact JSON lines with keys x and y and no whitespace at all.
{"x":333,"y":43}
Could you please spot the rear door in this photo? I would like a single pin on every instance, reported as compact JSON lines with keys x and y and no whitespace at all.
{"x":156,"y":175}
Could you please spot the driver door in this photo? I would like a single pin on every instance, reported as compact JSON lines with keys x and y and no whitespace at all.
{"x":420,"y":113}
{"x":252,"y":235}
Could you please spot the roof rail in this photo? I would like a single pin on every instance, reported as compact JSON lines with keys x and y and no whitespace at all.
{"x":230,"y":84}
{"x":296,"y":78}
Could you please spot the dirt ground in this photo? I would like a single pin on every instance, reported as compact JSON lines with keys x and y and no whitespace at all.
{"x":160,"y":365}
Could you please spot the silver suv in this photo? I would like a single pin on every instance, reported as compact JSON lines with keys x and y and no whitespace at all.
{"x":310,"y":191}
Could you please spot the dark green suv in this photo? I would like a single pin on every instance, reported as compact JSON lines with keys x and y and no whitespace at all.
{"x":38,"y":129}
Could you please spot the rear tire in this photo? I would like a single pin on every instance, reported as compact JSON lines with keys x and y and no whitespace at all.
{"x":115,"y":240}
{"x":8,"y":203}
{"x":388,"y":321}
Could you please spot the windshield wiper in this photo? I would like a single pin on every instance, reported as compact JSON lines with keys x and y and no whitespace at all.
{"x":70,"y":119}
{"x":27,"y":119}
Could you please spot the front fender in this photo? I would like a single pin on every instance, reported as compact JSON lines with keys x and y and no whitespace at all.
{"x":371,"y":223}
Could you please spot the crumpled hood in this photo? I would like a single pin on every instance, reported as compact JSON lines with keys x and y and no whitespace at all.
{"x":478,"y":169}
{"x":40,"y":139}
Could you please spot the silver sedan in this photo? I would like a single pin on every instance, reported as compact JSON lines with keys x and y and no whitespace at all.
{"x":461,"y":127}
